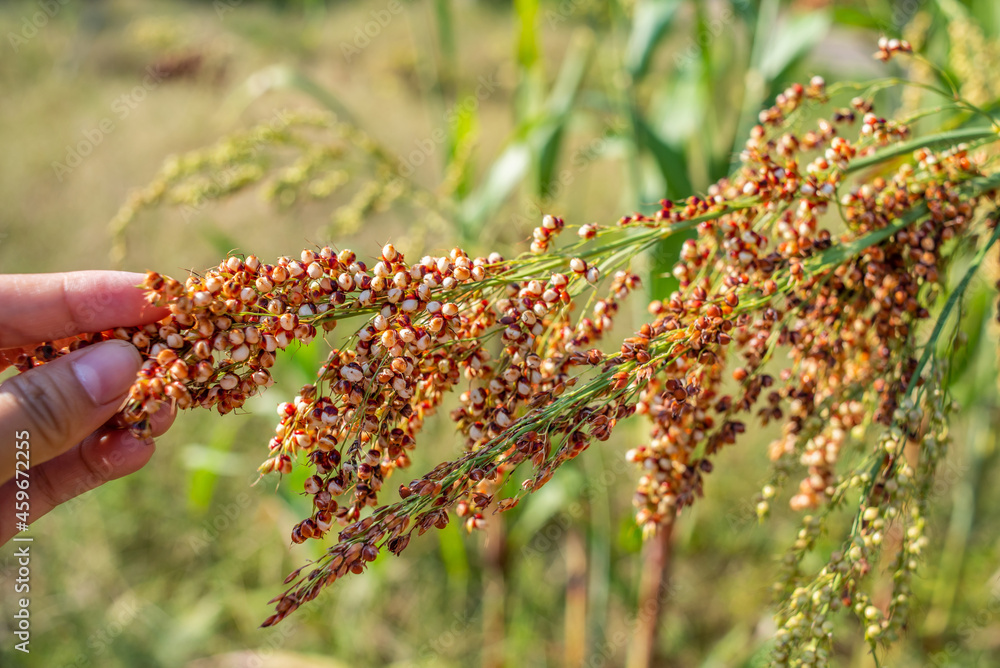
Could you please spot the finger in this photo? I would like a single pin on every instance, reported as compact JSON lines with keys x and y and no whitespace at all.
{"x":61,"y":402}
{"x":106,"y":455}
{"x":161,"y":420}
{"x":44,"y":307}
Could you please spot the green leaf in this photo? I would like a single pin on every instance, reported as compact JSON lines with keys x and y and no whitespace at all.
{"x":559,"y":107}
{"x":987,"y":15}
{"x":953,"y":299}
{"x":464,"y":130}
{"x":976,"y":319}
{"x":527,"y":36}
{"x":777,"y":48}
{"x":305,"y":359}
{"x":455,"y":556}
{"x":629,"y":537}
{"x":673,"y":166}
{"x":444,"y":18}
{"x":677,"y":112}
{"x":796,"y":39}
{"x":856,"y":18}
{"x":663,"y":257}
{"x":671,"y":161}
{"x":208,"y":462}
{"x":548,"y":159}
{"x":506,"y":172}
{"x":222,"y":242}
{"x":544,"y":505}
{"x":535,"y":141}
{"x":953,"y":10}
{"x":650,"y":22}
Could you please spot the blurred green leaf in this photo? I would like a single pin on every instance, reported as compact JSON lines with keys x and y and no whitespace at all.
{"x":857,"y":18}
{"x":662,"y":260}
{"x":671,"y":161}
{"x":559,"y":107}
{"x":777,"y":47}
{"x":629,"y":536}
{"x":548,"y":160}
{"x":977,"y":318}
{"x":211,"y":458}
{"x":673,"y":166}
{"x":455,"y":555}
{"x":504,"y":174}
{"x":953,"y":9}
{"x":534,"y":141}
{"x":443,"y":16}
{"x":527,"y":37}
{"x":464,"y":130}
{"x":223,"y":243}
{"x":545,"y":504}
{"x":797,"y":37}
{"x":987,"y":15}
{"x":208,"y":462}
{"x":306,"y":359}
{"x":650,"y":22}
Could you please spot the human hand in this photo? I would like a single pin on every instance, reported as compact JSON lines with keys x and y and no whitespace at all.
{"x":64,"y":405}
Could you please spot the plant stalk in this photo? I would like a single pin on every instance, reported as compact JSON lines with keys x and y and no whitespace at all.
{"x":654,"y":588}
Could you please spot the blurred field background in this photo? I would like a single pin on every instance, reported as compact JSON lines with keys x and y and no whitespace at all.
{"x":583,"y":108}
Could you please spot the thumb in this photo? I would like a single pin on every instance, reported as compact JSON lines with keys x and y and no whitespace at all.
{"x":62,"y":402}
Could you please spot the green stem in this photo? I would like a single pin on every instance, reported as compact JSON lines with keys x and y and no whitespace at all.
{"x":953,"y":299}
{"x":945,"y":138}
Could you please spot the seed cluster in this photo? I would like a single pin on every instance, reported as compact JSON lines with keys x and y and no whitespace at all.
{"x":894,"y":496}
{"x":770,"y":272}
{"x":760,"y":276}
{"x":846,"y":329}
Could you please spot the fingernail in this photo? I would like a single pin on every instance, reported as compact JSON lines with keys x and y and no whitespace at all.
{"x":107,"y":370}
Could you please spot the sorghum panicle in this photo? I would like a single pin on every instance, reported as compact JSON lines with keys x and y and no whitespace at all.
{"x":765,"y":276}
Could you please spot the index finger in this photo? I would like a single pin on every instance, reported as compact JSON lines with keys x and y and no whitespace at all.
{"x":47,"y":307}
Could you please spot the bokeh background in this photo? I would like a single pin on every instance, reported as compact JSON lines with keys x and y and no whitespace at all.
{"x":589,"y":109}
